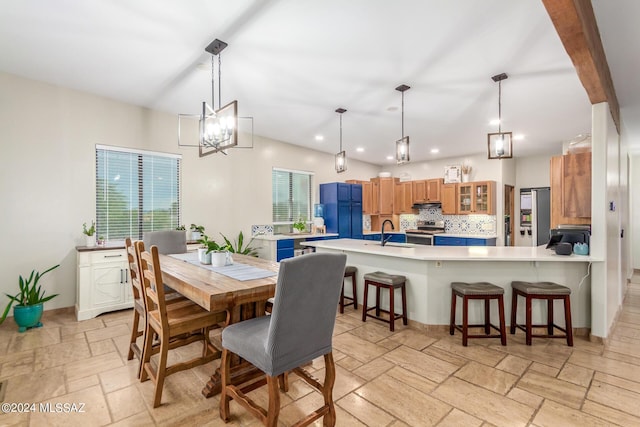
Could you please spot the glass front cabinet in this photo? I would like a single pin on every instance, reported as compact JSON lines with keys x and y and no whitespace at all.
{"x":477,"y":198}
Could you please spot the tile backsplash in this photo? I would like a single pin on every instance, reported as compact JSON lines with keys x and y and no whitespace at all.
{"x":259,"y":230}
{"x":481,"y":225}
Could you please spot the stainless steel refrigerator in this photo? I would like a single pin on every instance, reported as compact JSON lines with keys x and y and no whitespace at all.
{"x":535,"y":214}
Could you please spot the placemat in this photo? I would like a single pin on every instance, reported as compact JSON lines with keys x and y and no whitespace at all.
{"x":236,"y":270}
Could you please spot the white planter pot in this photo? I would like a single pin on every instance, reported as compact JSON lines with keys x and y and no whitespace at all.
{"x":90,"y":241}
{"x":218,"y":259}
{"x":196,"y":235}
{"x":465,"y":177}
{"x":203,"y":256}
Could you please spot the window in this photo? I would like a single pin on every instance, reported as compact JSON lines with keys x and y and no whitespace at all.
{"x":136,"y":191}
{"x":291,"y":196}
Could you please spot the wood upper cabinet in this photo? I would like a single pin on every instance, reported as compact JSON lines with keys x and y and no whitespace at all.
{"x":576,"y":185}
{"x":386,"y":187}
{"x":403,"y":197}
{"x":433,"y":189}
{"x":419,"y":191}
{"x":375,"y":196}
{"x":449,"y":196}
{"x":571,"y":189}
{"x":476,"y":198}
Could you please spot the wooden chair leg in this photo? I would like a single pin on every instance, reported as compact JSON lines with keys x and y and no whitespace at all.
{"x":514,"y":309}
{"x":567,"y":320}
{"x":327,"y":390}
{"x":161,"y":370}
{"x":355,"y":291}
{"x":274,"y":402}
{"x":392,"y":309}
{"x":487,"y":316}
{"x":452,"y":322}
{"x":342,"y":298}
{"x":134,"y":333}
{"x":225,"y":366}
{"x":550,"y":316}
{"x":503,"y":329}
{"x":377,"y":300}
{"x":283,"y":381}
{"x":365,"y":301}
{"x":528,"y":326}
{"x":465,"y":320}
{"x":146,"y":351}
{"x":404,"y":305}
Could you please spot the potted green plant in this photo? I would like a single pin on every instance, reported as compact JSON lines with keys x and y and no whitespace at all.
{"x":300,"y":225}
{"x":29,"y":301}
{"x":197,"y":231}
{"x":211,"y":249}
{"x":181,"y":228}
{"x":237,"y":248}
{"x":89,"y":232}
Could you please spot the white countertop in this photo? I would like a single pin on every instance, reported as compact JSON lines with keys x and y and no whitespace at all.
{"x":296,"y":236}
{"x":452,"y":253}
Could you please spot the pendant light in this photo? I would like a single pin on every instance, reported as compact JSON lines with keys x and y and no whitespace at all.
{"x":499,"y":144}
{"x":218,"y":129}
{"x":402,"y":145}
{"x":341,"y":157}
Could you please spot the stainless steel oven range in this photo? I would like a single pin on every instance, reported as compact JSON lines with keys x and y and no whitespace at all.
{"x":423,"y":235}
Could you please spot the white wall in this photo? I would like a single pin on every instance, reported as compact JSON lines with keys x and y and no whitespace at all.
{"x":47,"y":176}
{"x":606,"y":282}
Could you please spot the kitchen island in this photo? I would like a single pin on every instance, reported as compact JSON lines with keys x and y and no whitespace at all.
{"x":431,"y":269}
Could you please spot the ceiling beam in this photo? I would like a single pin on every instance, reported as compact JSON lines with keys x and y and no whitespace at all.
{"x":576,"y":25}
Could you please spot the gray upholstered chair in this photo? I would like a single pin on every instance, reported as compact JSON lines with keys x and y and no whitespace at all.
{"x":299,"y":330}
{"x":167,"y":241}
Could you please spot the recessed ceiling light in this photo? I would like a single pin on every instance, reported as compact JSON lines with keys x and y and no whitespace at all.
{"x":435,"y":150}
{"x":360,"y":150}
{"x":518,"y":137}
{"x":390,"y":157}
{"x":319,"y":138}
{"x":494,"y":122}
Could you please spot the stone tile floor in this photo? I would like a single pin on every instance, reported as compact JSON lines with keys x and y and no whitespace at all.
{"x":406,"y":378}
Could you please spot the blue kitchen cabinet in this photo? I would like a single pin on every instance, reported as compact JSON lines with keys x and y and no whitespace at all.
{"x":285,"y":249}
{"x":463,"y":241}
{"x":397,"y":238}
{"x":342,"y":209}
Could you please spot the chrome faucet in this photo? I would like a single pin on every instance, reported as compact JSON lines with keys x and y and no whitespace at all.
{"x":382,"y":239}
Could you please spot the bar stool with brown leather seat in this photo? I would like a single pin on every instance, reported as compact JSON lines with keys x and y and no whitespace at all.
{"x":546,"y":291}
{"x":385,"y":281}
{"x":480,"y":291}
{"x":349,"y":271}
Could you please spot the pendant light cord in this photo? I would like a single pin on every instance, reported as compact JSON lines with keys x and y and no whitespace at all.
{"x":219,"y":80}
{"x":402,"y":115}
{"x":500,"y":106}
{"x":213,"y":80}
{"x":340,"y":132}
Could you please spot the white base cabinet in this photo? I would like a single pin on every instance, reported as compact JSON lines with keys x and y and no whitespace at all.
{"x":103,"y":283}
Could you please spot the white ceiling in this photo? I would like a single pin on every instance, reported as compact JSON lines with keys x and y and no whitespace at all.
{"x":291,"y":63}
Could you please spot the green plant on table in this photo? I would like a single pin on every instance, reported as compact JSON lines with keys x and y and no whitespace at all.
{"x":236,"y":246}
{"x":181,"y":228}
{"x":211,"y":245}
{"x":89,"y":231}
{"x":30,"y":293}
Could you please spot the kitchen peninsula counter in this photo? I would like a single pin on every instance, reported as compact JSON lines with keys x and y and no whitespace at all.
{"x":431,"y":269}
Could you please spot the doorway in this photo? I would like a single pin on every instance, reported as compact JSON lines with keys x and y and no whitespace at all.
{"x":508,"y":215}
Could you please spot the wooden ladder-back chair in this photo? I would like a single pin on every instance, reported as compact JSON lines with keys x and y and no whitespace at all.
{"x":299,"y":330}
{"x":140,"y":305}
{"x":179,"y":325}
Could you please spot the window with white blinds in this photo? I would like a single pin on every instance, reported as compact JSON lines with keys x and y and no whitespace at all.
{"x":136,"y":191}
{"x":291,"y":196}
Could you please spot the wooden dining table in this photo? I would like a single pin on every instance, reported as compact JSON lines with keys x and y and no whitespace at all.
{"x":217,"y":292}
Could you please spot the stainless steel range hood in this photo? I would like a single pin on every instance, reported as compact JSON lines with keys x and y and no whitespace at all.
{"x":427,"y":205}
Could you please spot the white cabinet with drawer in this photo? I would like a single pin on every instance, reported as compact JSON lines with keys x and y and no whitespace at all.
{"x":102,"y":283}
